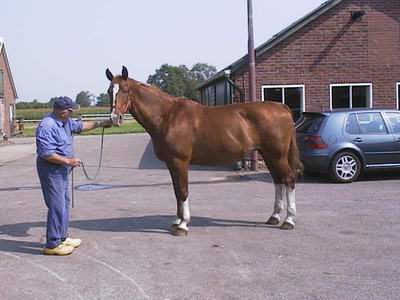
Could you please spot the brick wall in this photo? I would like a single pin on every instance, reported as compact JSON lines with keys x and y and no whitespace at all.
{"x":9,"y":98}
{"x":334,"y":49}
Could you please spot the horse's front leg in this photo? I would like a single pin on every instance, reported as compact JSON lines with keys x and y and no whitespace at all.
{"x":179,"y":175}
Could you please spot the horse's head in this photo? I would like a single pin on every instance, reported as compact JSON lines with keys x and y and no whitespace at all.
{"x":119,"y":95}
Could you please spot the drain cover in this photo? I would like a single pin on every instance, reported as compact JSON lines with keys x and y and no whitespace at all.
{"x":93,"y":187}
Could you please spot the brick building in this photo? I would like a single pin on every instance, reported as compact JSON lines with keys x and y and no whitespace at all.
{"x":345,"y":53}
{"x":8,"y":94}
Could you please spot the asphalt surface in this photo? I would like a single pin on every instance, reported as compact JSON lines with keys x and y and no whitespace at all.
{"x":346,"y":244}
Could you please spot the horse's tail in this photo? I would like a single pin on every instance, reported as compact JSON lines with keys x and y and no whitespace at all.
{"x":294,"y":154}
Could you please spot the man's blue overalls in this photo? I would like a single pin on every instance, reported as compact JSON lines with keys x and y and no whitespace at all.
{"x":54,"y":136}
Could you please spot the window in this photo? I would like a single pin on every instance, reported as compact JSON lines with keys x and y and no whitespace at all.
{"x":1,"y":83}
{"x":352,"y":125}
{"x":398,"y":94}
{"x":291,"y":95}
{"x":309,"y":123}
{"x":371,"y":123}
{"x":394,"y":119}
{"x":351,"y":95}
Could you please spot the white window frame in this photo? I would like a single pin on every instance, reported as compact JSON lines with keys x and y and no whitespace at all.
{"x":397,"y":95}
{"x":351,"y":92}
{"x":302,"y":104}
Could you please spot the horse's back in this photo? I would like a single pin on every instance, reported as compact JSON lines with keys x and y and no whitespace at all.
{"x":227,"y":133}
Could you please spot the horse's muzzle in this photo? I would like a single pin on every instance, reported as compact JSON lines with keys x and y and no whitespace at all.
{"x":116,"y":119}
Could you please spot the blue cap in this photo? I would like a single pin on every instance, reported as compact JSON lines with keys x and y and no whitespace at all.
{"x":62,"y":103}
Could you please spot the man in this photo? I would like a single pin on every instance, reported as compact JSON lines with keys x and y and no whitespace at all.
{"x":55,"y":158}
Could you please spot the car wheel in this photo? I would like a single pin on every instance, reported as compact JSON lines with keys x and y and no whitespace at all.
{"x":345,"y":167}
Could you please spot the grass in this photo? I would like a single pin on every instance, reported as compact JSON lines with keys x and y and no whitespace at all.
{"x":130,"y":126}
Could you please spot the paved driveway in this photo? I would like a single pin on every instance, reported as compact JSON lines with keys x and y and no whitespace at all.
{"x":345,"y":246}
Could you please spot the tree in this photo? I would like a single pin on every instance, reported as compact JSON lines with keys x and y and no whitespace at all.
{"x":51,"y":102}
{"x":170,"y":79}
{"x":83,"y":99}
{"x":33,"y":104}
{"x":103,"y":100}
{"x":202,"y":71}
{"x":179,"y":80}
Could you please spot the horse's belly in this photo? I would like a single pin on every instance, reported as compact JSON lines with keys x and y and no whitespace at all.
{"x":222,"y":154}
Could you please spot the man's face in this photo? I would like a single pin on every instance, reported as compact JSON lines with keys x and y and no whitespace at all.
{"x":65,"y":114}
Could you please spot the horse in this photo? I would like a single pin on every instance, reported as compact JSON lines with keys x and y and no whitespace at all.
{"x":184,"y":132}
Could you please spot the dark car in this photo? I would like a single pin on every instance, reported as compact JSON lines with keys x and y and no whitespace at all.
{"x":344,"y":143}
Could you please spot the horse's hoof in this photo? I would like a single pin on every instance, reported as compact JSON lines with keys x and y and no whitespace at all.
{"x":179,"y":232}
{"x":173,"y":228}
{"x":287,"y":226}
{"x":272,"y":221}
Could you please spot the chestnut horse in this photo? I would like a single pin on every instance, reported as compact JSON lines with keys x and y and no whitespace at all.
{"x":184,"y":132}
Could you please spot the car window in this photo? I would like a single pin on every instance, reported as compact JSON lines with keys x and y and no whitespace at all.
{"x":309,"y":123}
{"x":371,"y":123}
{"x":352,"y":125}
{"x":394,"y":119}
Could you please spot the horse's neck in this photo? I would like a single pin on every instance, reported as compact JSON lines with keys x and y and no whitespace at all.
{"x":148,"y":109}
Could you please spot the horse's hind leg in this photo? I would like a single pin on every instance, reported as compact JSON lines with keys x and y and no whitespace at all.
{"x":284,"y":180}
{"x":179,"y":175}
{"x":291,"y":208}
{"x":278,"y":205}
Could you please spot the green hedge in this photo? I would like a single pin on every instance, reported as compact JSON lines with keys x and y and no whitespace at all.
{"x":130,"y":126}
{"x":39,"y":113}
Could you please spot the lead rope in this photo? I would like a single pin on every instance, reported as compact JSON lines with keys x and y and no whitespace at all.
{"x":85,"y":172}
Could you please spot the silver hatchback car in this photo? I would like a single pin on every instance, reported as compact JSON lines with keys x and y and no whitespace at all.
{"x":345,"y":143}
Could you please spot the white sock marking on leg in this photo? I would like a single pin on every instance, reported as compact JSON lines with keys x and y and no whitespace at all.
{"x":185,"y":214}
{"x":291,"y":205}
{"x":278,"y":206}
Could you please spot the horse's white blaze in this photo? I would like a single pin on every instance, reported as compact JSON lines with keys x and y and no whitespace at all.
{"x":113,"y":115}
{"x":278,"y":207}
{"x":185,"y":214}
{"x":291,"y":205}
{"x":115,"y":91}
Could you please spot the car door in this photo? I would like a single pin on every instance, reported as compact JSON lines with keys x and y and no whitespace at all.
{"x":373,"y":138}
{"x":394,"y":125}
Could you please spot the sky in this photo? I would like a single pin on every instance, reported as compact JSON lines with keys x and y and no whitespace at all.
{"x":60,"y":48}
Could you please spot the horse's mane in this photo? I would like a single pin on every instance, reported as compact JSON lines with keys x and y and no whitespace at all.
{"x":155,"y":91}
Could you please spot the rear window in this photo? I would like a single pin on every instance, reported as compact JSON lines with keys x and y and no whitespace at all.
{"x":309,"y":123}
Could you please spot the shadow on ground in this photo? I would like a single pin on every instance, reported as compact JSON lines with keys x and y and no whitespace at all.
{"x":144,"y":224}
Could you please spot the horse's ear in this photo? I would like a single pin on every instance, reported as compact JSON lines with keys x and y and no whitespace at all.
{"x":124,"y":73}
{"x":109,"y":75}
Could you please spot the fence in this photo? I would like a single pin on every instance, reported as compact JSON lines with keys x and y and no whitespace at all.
{"x":83,"y":117}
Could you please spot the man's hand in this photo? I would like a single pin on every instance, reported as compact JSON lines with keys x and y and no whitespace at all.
{"x":107,"y":124}
{"x":73,"y":162}
{"x":63,"y":160}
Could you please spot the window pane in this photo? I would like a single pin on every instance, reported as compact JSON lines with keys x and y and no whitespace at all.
{"x":273,"y":94}
{"x":220,"y":93}
{"x":394,"y":119}
{"x":310,"y":123}
{"x":293,"y":99}
{"x":372,"y":123}
{"x":352,"y":125}
{"x":340,"y":97}
{"x":360,"y":96}
{"x":211,"y":95}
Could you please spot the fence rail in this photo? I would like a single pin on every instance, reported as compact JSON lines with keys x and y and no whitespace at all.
{"x":86,"y":117}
